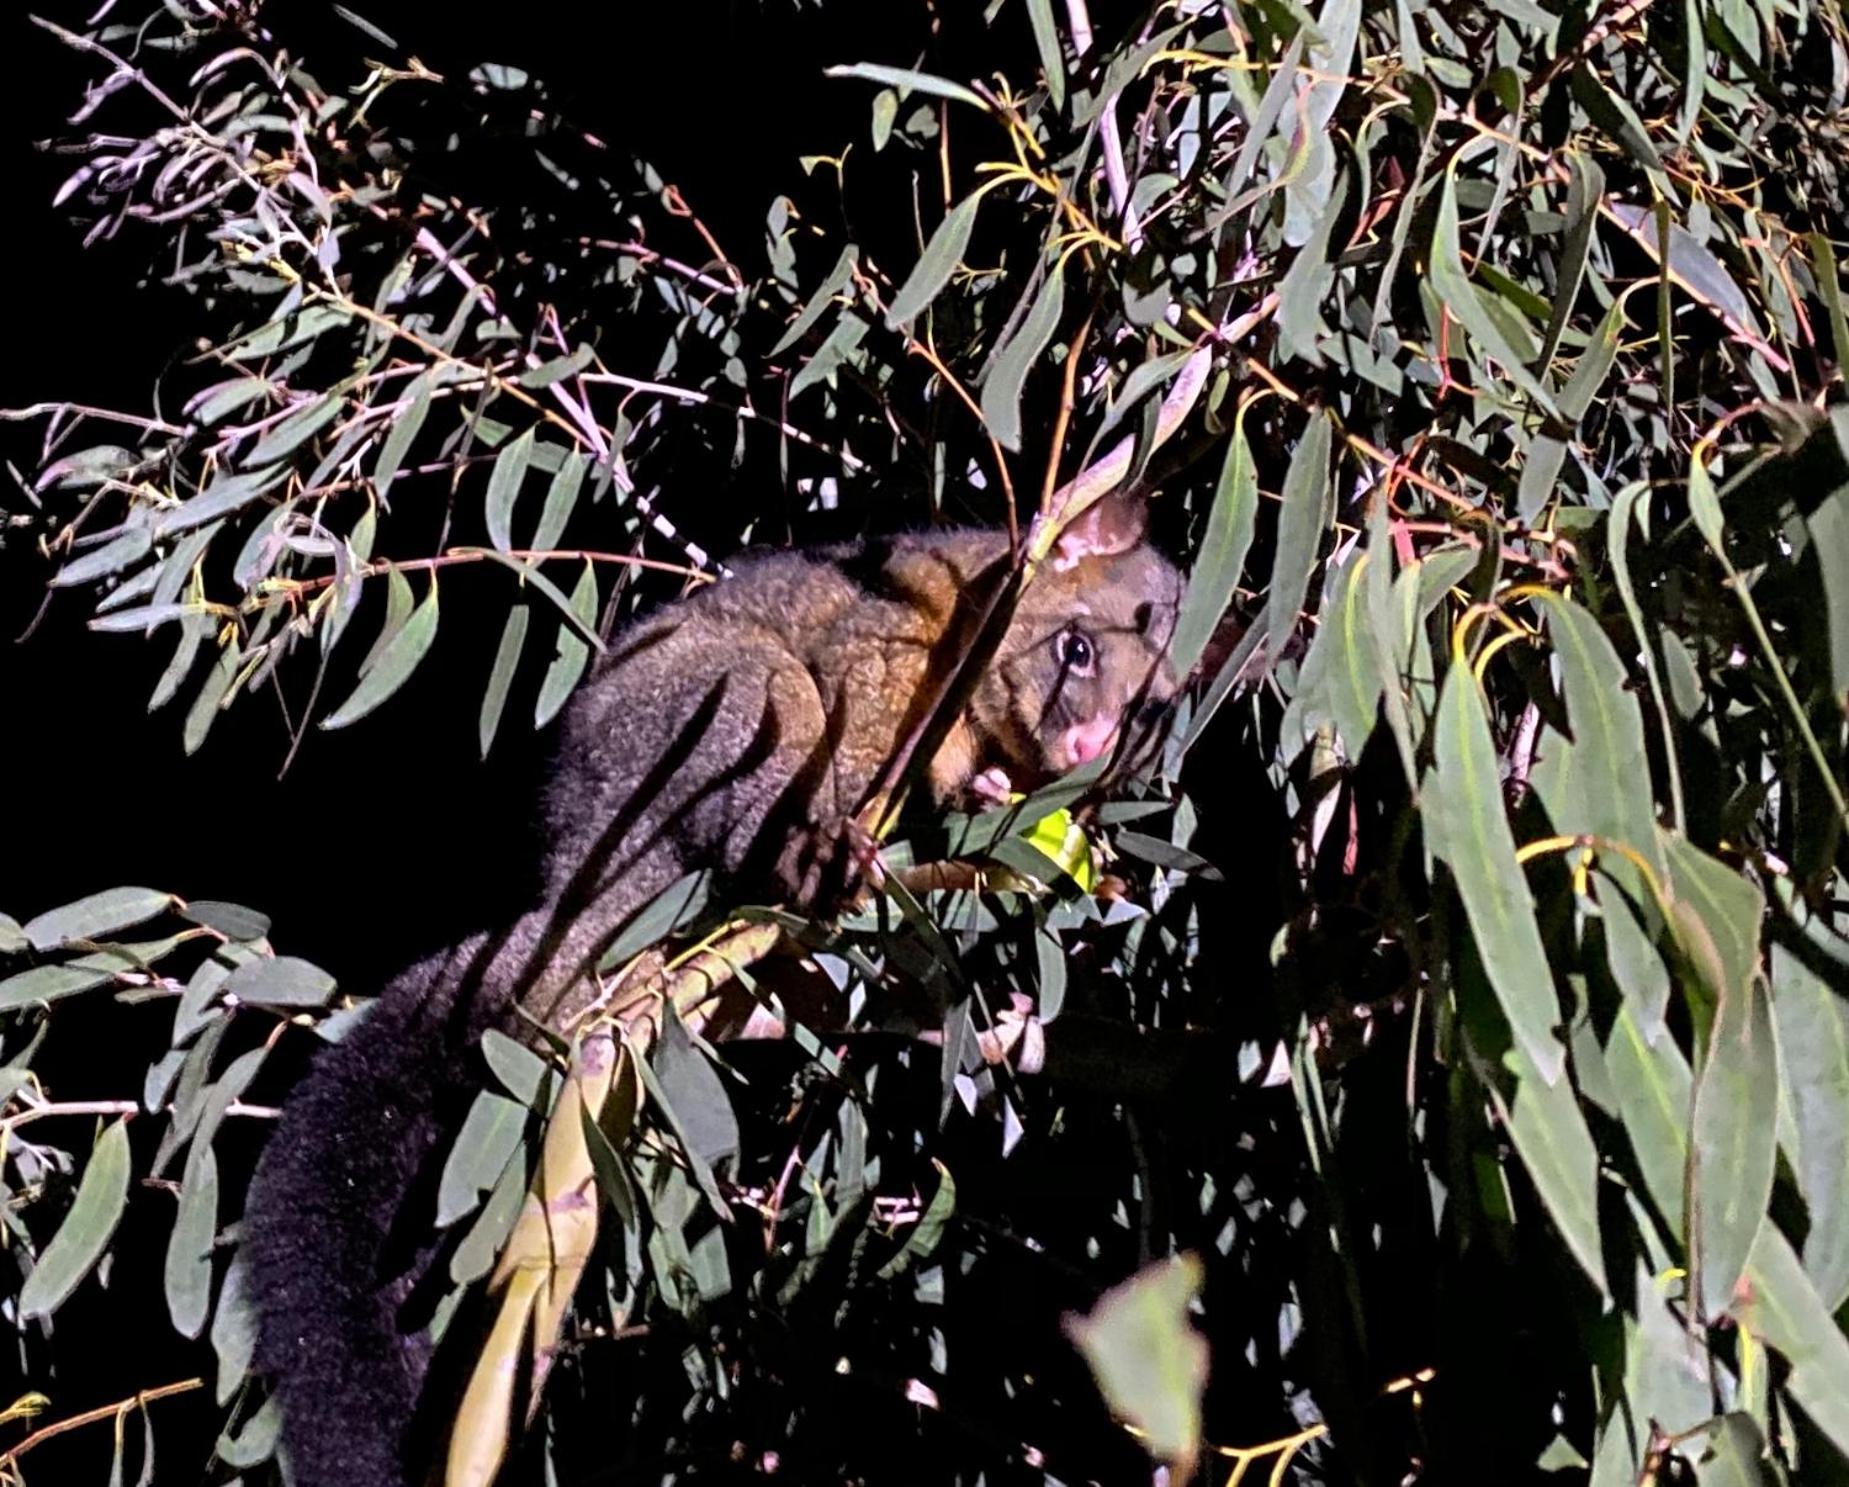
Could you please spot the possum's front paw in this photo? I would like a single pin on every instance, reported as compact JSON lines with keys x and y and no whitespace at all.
{"x":992,"y":786}
{"x":830,"y":868}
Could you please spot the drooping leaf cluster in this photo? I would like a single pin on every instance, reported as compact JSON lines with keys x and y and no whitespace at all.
{"x":1464,"y":988}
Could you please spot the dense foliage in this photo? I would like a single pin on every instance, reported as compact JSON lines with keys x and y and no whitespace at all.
{"x":1451,"y":1021}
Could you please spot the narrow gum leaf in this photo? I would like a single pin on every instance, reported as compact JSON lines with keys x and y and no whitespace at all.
{"x":1734,"y":1151}
{"x":1001,"y":392}
{"x":1466,"y":821}
{"x":935,"y":265}
{"x":569,"y":659}
{"x":1302,"y":518}
{"x":501,"y":677}
{"x":1459,"y":296}
{"x":87,"y":1228}
{"x":397,"y":660}
{"x":1221,"y":559}
{"x":504,"y":483}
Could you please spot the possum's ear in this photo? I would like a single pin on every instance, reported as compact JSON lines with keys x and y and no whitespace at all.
{"x":1112,"y":524}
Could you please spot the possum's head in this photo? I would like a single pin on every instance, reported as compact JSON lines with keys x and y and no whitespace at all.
{"x":1085,"y":657}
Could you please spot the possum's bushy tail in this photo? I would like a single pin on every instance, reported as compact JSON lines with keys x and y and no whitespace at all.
{"x":325,"y":1274}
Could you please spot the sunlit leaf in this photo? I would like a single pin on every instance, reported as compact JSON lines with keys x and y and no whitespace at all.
{"x":1306,"y":505}
{"x":1150,"y":1363}
{"x":1465,"y":823}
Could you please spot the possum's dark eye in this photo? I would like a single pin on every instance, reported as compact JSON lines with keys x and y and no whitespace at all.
{"x":1075,"y":652}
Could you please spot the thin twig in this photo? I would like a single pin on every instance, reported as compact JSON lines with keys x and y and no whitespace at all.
{"x":140,"y":1400}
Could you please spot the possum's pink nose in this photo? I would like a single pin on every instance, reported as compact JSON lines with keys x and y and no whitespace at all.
{"x":1084,"y":742}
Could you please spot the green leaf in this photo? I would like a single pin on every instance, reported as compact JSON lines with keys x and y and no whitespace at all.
{"x":703,"y":1114}
{"x":86,"y":1230}
{"x":679,"y":904}
{"x":404,"y":428}
{"x":1395,"y":634}
{"x":1654,"y":1088}
{"x":928,"y":1233}
{"x":112,"y":557}
{"x":233,"y":921}
{"x":95,"y":917}
{"x":521,"y":1071}
{"x":188,"y":1269}
{"x":904,"y":77}
{"x":1829,"y":534}
{"x":1604,"y":792}
{"x":1343,"y":665}
{"x":212,"y":695}
{"x":558,"y":369}
{"x":295,"y":430}
{"x":220,"y":498}
{"x":49,"y":983}
{"x":87,"y":467}
{"x":1465,"y":825}
{"x":936,"y":264}
{"x":1150,"y":1363}
{"x":12,"y":937}
{"x":256,"y":1442}
{"x":281,"y":981}
{"x":571,"y":653}
{"x":1001,"y":392}
{"x":214,"y":404}
{"x":1046,"y":40}
{"x":506,"y":662}
{"x":1306,"y":507}
{"x":397,"y":659}
{"x":1551,"y":1137}
{"x":1307,"y":283}
{"x":1779,"y":1304}
{"x":697,"y":1166}
{"x":533,"y":578}
{"x":561,"y":498}
{"x":1734,"y":1149}
{"x":839,"y":277}
{"x":399,"y":602}
{"x":1221,"y":558}
{"x":1813,"y":1045}
{"x":1704,"y":507}
{"x":1618,"y":532}
{"x":1546,"y":454}
{"x":504,"y":482}
{"x":842,"y":345}
{"x":1619,"y":121}
{"x":198,"y":1006}
{"x":234,"y":1333}
{"x":294,"y":327}
{"x":1453,"y":287}
{"x":1715,"y":917}
{"x":1735,"y":1447}
{"x":1585,"y":190}
{"x":1829,"y":284}
{"x":489,"y":1137}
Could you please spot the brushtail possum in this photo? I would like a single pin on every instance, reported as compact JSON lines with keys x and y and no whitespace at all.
{"x":738,"y":731}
